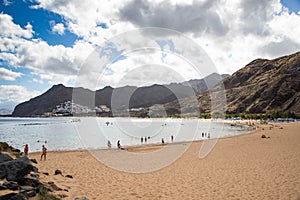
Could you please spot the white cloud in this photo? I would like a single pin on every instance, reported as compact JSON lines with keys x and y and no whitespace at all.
{"x":231,"y":32}
{"x":9,"y":29}
{"x":83,"y":17}
{"x":58,"y":28}
{"x":8,"y":75}
{"x":55,"y":64}
{"x":15,"y":94}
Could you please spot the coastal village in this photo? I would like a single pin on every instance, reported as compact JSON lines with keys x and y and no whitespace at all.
{"x":69,"y":108}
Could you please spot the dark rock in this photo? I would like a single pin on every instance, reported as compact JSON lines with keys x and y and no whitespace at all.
{"x":11,"y":185}
{"x":3,"y":187}
{"x":29,"y":181}
{"x":19,"y":196}
{"x":2,"y":172}
{"x":7,"y":196}
{"x":34,"y":176}
{"x":34,"y":161}
{"x":263,"y":136}
{"x":30,"y":193}
{"x":52,"y":187}
{"x":69,"y":176}
{"x":46,"y":173}
{"x":15,"y":170}
{"x":14,"y":150}
{"x":58,"y":172}
{"x":81,"y":198}
{"x":27,"y":188}
{"x":4,"y":146}
{"x":4,"y":157}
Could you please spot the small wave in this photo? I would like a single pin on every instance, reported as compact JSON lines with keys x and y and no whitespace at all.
{"x":33,"y":124}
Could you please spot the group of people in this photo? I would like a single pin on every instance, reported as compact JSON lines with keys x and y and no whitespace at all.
{"x":44,"y":151}
{"x":206,"y":135}
{"x":118,"y":145}
{"x":145,"y":139}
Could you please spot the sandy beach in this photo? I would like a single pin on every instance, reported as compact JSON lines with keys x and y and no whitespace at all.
{"x":241,"y":167}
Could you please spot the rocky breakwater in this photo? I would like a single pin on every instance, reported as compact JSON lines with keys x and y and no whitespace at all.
{"x":19,"y":178}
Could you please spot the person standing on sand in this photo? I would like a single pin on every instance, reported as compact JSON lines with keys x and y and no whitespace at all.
{"x":26,"y":149}
{"x":109,"y":144}
{"x":172,"y":138}
{"x":44,"y":152}
{"x":118,"y":144}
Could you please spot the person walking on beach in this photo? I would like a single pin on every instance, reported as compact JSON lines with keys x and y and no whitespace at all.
{"x":44,"y":152}
{"x":162,"y":141}
{"x":172,"y":138}
{"x":26,"y":149}
{"x":118,"y":144}
{"x":109,"y":144}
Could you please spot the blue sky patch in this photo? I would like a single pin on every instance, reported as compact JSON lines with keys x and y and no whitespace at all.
{"x":103,"y":25}
{"x":40,"y":20}
{"x":292,"y":5}
{"x":163,"y":44}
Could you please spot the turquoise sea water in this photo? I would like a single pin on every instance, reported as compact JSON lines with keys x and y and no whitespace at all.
{"x":93,"y":133}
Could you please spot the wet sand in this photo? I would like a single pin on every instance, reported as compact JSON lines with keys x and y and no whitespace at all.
{"x":240,"y":167}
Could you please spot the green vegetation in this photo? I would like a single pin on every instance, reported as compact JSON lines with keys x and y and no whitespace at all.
{"x":45,"y":195}
{"x":261,"y":116}
{"x":205,"y":116}
{"x":255,"y":116}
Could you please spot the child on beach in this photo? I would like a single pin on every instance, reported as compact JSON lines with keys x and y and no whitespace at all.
{"x":44,"y":152}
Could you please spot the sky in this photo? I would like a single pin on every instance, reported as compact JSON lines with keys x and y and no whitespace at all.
{"x":97,"y":43}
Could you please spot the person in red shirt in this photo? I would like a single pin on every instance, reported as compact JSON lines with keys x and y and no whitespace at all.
{"x":26,"y":149}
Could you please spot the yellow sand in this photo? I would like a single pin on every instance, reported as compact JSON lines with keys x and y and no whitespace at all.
{"x":242,"y":167}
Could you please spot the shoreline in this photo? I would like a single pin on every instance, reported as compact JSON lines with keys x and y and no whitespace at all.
{"x":145,"y":145}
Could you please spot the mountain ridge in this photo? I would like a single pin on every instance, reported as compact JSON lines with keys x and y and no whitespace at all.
{"x":261,"y":86}
{"x":139,"y":96}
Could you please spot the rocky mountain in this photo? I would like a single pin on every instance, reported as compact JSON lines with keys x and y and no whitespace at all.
{"x":265,"y":85}
{"x":120,"y":97}
{"x":261,"y":86}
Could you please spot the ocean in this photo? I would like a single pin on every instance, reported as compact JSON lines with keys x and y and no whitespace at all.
{"x":93,"y":133}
